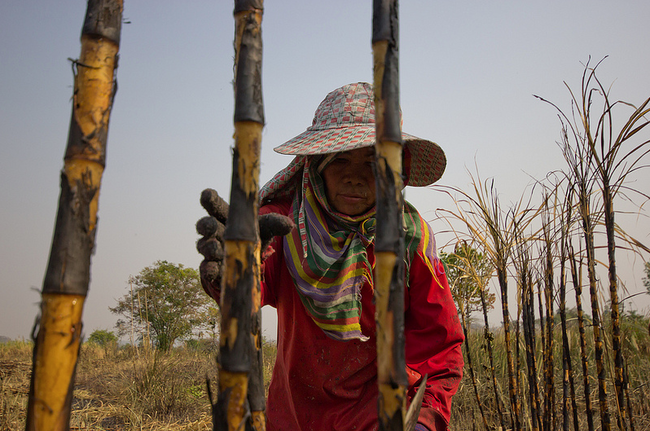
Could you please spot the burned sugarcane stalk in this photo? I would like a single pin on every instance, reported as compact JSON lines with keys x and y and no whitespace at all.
{"x":549,"y":373}
{"x":515,"y":402}
{"x":472,"y":374}
{"x":389,"y":247}
{"x":576,"y":278}
{"x":588,"y":232}
{"x":489,"y":337}
{"x":528,"y":320}
{"x":568,"y":385}
{"x":68,"y":272}
{"x":613,"y":292}
{"x":241,"y":391}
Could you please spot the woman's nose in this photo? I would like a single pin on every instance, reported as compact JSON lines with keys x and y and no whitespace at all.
{"x":354,"y":174}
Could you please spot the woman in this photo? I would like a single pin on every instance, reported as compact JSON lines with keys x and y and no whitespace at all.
{"x":319,"y":278}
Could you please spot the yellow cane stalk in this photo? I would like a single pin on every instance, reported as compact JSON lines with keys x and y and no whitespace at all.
{"x":241,"y":296}
{"x":392,"y":398}
{"x":56,"y":359}
{"x":237,"y":384}
{"x":391,"y":386}
{"x":66,"y":282}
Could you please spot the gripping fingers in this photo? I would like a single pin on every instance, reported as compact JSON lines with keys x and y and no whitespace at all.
{"x":215,"y":205}
{"x":274,"y":225}
{"x":210,"y":248}
{"x":209,"y":226}
{"x":210,"y":245}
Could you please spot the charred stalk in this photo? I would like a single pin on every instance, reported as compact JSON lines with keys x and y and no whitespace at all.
{"x":389,"y":247}
{"x":241,"y":393}
{"x":576,"y":277}
{"x":65,"y":285}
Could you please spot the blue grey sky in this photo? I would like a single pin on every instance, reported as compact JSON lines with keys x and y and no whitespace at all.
{"x":468,"y":74}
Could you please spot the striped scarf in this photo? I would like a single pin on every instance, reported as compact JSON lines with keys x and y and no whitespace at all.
{"x":327,"y":254}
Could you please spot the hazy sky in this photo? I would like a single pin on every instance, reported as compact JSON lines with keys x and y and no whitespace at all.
{"x":468,"y":74}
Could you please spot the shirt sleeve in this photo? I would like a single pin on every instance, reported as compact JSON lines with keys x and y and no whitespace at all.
{"x":270,"y":266}
{"x":433,"y":341}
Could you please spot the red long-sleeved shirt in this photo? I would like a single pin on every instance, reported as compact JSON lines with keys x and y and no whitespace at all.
{"x":319,"y":383}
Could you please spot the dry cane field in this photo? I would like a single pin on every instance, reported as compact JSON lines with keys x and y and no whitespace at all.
{"x":564,"y":355}
{"x":124,"y":388}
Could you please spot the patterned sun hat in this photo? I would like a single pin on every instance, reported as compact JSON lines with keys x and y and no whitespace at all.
{"x":345,"y":120}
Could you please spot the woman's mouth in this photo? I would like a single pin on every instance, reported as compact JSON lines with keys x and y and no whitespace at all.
{"x":352,"y":197}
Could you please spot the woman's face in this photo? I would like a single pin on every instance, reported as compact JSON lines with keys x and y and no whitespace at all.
{"x":350,"y":181}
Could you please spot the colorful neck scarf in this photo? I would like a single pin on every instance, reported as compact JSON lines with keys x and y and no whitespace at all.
{"x":327,"y":258}
{"x":327,"y":254}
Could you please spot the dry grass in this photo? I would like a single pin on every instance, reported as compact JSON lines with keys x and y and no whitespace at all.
{"x":119,"y":389}
{"x":142,"y":389}
{"x":125,"y":389}
{"x":15,"y":368}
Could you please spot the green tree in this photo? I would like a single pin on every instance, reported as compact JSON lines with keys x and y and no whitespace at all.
{"x":102,"y":337}
{"x":165,"y":303}
{"x":468,"y":272}
{"x":646,"y":279}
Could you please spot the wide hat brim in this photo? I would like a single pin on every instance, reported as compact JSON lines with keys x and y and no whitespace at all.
{"x":424,"y":161}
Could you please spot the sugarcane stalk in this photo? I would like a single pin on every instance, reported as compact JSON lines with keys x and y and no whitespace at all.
{"x":567,"y":378}
{"x":502,"y":278}
{"x":470,"y":365}
{"x":588,"y":232}
{"x":489,"y":337}
{"x":568,"y":385}
{"x":549,"y":400}
{"x":389,"y":246}
{"x":626,"y":387}
{"x":518,"y":356}
{"x":576,"y":277}
{"x":528,"y":317}
{"x":591,"y":154}
{"x":240,"y":343}
{"x":522,"y":260}
{"x":531,"y":350}
{"x":608,"y":209}
{"x":67,"y":276}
